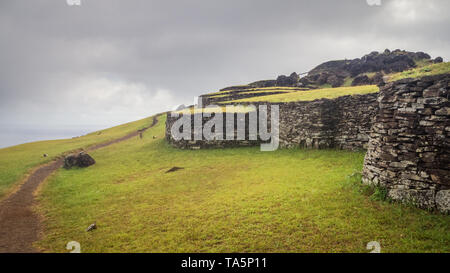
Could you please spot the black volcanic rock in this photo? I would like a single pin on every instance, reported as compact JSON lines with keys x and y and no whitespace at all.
{"x":361,"y":80}
{"x":335,"y":81}
{"x":386,"y":62}
{"x":263,"y":83}
{"x":378,"y":79}
{"x":335,"y":73}
{"x":81,"y":160}
{"x":291,"y":80}
{"x":438,"y":60}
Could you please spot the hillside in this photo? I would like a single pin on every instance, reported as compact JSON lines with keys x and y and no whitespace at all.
{"x":227,"y":200}
{"x":17,"y":161}
{"x":250,"y":93}
{"x":369,"y":69}
{"x":220,"y":200}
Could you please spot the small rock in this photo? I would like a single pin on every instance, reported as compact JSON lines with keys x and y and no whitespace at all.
{"x":174,"y":169}
{"x":91,"y":227}
{"x":81,"y":160}
{"x":45,"y":155}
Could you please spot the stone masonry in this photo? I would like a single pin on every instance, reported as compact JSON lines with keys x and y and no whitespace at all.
{"x":409,"y":147}
{"x":405,"y":128}
{"x":343,"y":123}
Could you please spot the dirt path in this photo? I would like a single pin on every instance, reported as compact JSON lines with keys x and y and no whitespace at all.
{"x":20,"y":226}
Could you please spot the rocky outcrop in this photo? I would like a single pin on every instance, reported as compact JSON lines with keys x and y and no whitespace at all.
{"x":409,"y":147}
{"x":335,"y":73}
{"x":382,"y":63}
{"x":387,"y":62}
{"x":81,"y":160}
{"x":283,"y":80}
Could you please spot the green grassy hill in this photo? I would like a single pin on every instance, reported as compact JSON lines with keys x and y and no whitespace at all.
{"x":17,"y":161}
{"x":291,"y":94}
{"x":428,"y":70}
{"x":223,"y":200}
{"x":227,"y":200}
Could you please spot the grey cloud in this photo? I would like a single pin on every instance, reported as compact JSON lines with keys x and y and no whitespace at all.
{"x":58,"y":60}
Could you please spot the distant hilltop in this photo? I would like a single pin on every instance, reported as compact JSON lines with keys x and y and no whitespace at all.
{"x":368,"y":69}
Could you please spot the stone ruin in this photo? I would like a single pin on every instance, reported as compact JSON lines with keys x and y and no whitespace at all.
{"x":405,"y":129}
{"x":409,"y":146}
{"x":343,"y":123}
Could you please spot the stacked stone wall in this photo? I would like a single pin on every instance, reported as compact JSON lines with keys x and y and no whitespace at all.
{"x":198,"y":141}
{"x":326,"y":123}
{"x":342,"y":123}
{"x":409,"y":147}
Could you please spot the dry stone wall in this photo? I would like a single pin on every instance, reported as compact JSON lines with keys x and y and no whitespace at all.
{"x":233,"y":95}
{"x":409,"y":147}
{"x":338,"y":123}
{"x":405,"y":128}
{"x":342,"y":123}
{"x":196,"y":142}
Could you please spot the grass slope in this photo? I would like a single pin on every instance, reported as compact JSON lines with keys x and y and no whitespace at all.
{"x":428,"y":70}
{"x":257,"y":90}
{"x":17,"y":161}
{"x":226,"y":200}
{"x":329,"y":93}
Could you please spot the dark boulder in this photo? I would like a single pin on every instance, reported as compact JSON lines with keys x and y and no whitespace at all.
{"x":283,"y":80}
{"x":378,"y":79}
{"x":294,"y":77}
{"x":335,"y":81}
{"x":291,"y":80}
{"x":438,"y":60}
{"x":422,"y":55}
{"x":81,"y":160}
{"x":323,"y":78}
{"x":361,"y":80}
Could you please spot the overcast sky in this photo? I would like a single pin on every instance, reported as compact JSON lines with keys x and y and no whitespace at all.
{"x":67,"y":70}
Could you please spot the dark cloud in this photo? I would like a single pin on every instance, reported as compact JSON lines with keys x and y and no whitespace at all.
{"x":109,"y":61}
